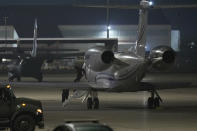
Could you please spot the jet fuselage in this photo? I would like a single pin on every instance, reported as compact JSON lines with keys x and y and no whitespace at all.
{"x":123,"y":75}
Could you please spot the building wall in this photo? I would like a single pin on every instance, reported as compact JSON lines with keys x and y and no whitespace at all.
{"x":8,"y":32}
{"x":126,"y":34}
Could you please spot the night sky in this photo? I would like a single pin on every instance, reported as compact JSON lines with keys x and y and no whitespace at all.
{"x":50,"y":13}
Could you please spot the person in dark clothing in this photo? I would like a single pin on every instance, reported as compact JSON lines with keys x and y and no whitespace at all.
{"x":65,"y":94}
{"x":80,"y":73}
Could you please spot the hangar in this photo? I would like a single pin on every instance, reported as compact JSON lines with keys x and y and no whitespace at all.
{"x":126,"y":34}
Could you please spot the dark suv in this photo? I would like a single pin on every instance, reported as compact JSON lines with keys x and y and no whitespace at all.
{"x":19,"y":114}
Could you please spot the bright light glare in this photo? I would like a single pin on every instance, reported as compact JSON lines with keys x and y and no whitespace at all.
{"x":4,"y":60}
{"x":109,"y":27}
{"x":8,"y":86}
{"x":151,"y":3}
{"x":39,"y":110}
{"x":23,"y":104}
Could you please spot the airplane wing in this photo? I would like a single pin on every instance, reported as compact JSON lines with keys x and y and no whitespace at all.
{"x":4,"y":49}
{"x":44,"y":55}
{"x":52,"y":52}
{"x":165,"y":81}
{"x":146,"y":86}
{"x":49,"y":41}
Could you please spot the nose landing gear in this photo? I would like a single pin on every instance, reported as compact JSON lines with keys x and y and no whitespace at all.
{"x":154,"y":101}
{"x":93,"y":100}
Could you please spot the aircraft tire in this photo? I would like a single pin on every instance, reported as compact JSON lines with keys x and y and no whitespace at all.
{"x":18,"y":79}
{"x":89,"y":103}
{"x":40,"y":78}
{"x":150,"y":103}
{"x":156,"y":102}
{"x":96,"y":103}
{"x":23,"y":123}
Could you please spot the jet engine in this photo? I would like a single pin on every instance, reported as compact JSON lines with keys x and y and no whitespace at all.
{"x":99,"y":58}
{"x":162,"y":57}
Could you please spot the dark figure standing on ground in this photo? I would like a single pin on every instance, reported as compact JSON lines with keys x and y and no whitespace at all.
{"x":80,"y":73}
{"x":65,"y":94}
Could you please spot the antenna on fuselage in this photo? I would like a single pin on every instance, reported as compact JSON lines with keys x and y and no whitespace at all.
{"x":34,"y":50}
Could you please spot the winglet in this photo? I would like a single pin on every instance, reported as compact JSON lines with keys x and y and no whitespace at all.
{"x":34,"y":50}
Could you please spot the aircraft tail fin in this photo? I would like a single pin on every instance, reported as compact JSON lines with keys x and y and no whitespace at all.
{"x":142,"y":28}
{"x":34,"y":50}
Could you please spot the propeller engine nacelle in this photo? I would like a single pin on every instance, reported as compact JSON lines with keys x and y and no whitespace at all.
{"x":99,"y":58}
{"x":162,"y":57}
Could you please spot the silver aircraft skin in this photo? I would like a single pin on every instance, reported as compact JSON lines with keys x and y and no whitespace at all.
{"x":106,"y":70}
{"x":120,"y":77}
{"x":127,"y":69}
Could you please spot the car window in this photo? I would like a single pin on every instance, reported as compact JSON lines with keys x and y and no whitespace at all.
{"x":95,"y":128}
{"x":11,"y":94}
{"x":6,"y":95}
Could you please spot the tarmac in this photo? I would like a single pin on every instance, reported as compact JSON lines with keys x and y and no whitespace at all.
{"x":123,"y":111}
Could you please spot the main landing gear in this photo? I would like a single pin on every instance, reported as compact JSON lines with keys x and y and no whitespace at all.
{"x":90,"y":96}
{"x":154,"y":101}
{"x":93,"y":100}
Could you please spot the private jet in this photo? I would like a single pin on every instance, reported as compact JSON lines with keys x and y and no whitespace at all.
{"x":110,"y":71}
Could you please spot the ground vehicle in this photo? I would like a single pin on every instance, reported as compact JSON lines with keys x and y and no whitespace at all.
{"x":83,"y":125}
{"x":19,"y":114}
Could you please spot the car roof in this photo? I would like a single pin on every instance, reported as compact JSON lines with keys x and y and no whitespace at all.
{"x":86,"y":124}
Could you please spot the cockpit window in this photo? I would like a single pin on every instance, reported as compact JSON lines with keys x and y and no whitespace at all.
{"x":11,"y":94}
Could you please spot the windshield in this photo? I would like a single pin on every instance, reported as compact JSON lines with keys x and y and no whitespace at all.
{"x":11,"y":93}
{"x":6,"y":94}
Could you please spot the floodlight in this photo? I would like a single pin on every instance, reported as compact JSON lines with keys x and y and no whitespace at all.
{"x":151,"y":3}
{"x":109,"y":27}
